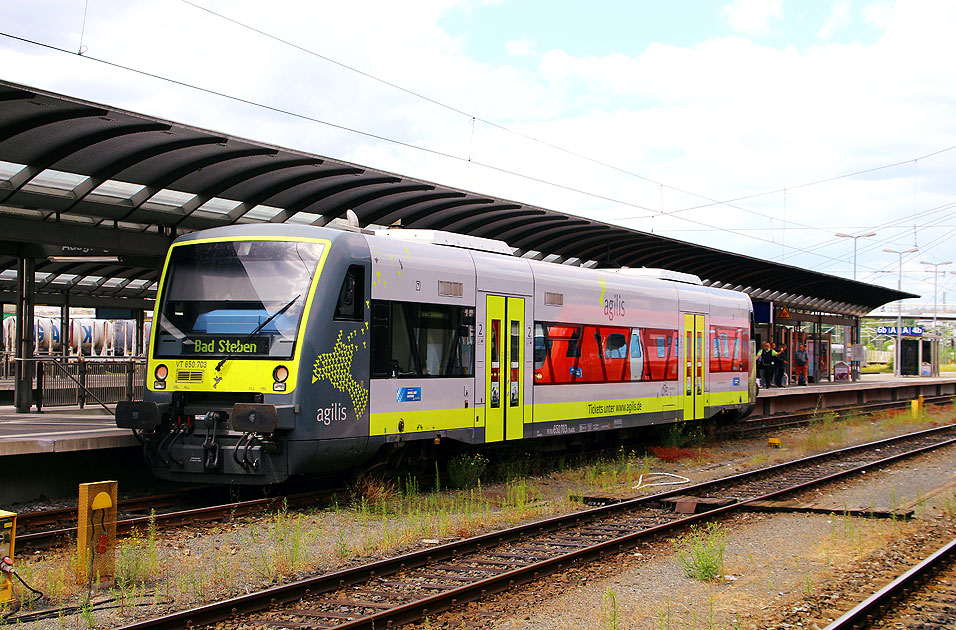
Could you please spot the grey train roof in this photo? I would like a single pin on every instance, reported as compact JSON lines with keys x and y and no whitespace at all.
{"x":90,"y":176}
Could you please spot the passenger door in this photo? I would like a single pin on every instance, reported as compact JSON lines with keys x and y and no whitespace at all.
{"x":504,"y":368}
{"x":694,"y":375}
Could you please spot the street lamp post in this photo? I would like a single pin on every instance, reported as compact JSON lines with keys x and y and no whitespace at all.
{"x":867,"y":235}
{"x":936,"y":267}
{"x":899,"y":311}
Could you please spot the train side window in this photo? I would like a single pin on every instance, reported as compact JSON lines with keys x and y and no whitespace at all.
{"x":540,"y":346}
{"x":351,"y":302}
{"x":422,"y":340}
{"x":616,"y":346}
{"x":382,"y":365}
{"x":404,"y":359}
{"x":661,"y":346}
{"x":574,"y":344}
{"x":636,"y":344}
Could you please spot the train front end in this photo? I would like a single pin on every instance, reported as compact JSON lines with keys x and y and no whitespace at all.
{"x":229,"y":377}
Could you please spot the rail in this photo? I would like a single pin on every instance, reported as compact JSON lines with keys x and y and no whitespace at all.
{"x":520,"y":554}
{"x":871,"y":610}
{"x":79,"y":381}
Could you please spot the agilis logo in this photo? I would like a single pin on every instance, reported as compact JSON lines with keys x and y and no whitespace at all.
{"x":614,"y":306}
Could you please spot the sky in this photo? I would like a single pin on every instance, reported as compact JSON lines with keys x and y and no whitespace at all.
{"x":761,"y":127}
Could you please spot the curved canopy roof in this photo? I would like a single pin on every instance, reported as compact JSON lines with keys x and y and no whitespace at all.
{"x":76,"y":175}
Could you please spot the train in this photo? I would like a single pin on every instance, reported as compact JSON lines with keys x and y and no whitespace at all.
{"x":87,"y":337}
{"x":282,"y":350}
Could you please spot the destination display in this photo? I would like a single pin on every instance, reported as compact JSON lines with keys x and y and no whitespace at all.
{"x":238,"y":345}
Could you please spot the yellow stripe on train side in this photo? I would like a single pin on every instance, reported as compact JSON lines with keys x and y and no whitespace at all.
{"x":555,"y":412}
{"x":716,"y":399}
{"x":467,"y":418}
{"x":237,"y":374}
{"x":422,"y":420}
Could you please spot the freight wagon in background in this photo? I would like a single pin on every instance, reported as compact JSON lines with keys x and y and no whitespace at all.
{"x":87,"y":337}
{"x":284,"y":350}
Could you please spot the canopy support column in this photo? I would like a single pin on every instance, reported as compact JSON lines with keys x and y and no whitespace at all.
{"x":23,"y":383}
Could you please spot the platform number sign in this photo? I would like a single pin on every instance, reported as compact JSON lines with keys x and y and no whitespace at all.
{"x":905,"y":330}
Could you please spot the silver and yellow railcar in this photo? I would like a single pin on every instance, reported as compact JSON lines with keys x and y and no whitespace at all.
{"x":285,"y":350}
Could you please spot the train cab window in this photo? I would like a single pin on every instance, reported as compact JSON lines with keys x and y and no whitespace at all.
{"x":616,"y":346}
{"x":225,"y":290}
{"x":350,"y":305}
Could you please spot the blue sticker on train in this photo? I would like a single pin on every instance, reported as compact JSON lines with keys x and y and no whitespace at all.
{"x":576,"y":371}
{"x":736,"y":380}
{"x":409,"y":394}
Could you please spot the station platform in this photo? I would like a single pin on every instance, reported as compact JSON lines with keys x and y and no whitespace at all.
{"x":45,"y":455}
{"x":69,"y":429}
{"x":870,"y":388}
{"x":60,"y":431}
{"x":48,"y":453}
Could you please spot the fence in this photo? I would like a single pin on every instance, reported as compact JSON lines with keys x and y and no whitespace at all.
{"x":71,"y":381}
{"x":879,"y":356}
{"x":6,"y":364}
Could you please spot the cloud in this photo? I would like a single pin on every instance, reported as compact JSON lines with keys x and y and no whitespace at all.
{"x":841,"y":16}
{"x":721,"y":118}
{"x":521,"y":48}
{"x":752,"y":17}
{"x":878,"y":13}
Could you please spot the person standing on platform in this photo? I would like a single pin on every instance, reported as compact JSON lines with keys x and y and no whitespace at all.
{"x":765,"y":364}
{"x":780,"y":364}
{"x":801,"y":360}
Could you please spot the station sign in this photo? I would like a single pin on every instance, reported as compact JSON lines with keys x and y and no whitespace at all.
{"x":905,"y":330}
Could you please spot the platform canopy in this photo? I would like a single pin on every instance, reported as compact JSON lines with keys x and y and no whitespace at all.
{"x":96,"y":194}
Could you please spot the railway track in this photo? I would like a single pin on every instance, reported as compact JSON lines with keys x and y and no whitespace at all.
{"x":32,"y":536}
{"x":924,"y":597}
{"x":124,"y":525}
{"x":424,"y":583}
{"x":765,"y":423}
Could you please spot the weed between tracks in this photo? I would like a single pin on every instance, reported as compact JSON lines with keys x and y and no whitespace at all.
{"x":701,"y":550}
{"x":385,"y":517}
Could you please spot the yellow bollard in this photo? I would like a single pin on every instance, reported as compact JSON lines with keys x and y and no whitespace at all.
{"x":96,"y":532}
{"x":915,"y":408}
{"x":8,"y":533}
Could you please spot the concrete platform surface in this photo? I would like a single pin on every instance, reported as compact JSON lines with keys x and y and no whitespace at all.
{"x":867,"y":381}
{"x":60,"y":431}
{"x":70,"y":429}
{"x":871,"y":388}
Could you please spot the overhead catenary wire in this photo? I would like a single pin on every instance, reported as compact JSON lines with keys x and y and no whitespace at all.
{"x":473,"y":117}
{"x":382,"y":138}
{"x":287,"y":112}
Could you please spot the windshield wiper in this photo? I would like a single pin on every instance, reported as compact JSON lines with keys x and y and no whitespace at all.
{"x":258,"y":328}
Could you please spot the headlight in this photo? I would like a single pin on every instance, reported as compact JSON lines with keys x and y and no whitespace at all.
{"x":280,"y":373}
{"x":161,"y":372}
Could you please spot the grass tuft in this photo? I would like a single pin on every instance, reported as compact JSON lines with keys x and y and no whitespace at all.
{"x":701,"y":552}
{"x":466,"y":469}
